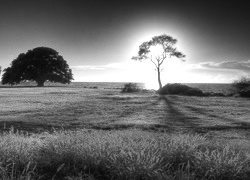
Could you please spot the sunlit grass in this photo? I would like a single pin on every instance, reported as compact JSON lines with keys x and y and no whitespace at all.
{"x":128,"y":154}
{"x":140,"y":153}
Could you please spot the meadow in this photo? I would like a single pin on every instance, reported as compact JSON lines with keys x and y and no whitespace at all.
{"x":86,"y":131}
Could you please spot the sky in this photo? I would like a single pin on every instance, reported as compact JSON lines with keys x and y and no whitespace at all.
{"x":98,"y":38}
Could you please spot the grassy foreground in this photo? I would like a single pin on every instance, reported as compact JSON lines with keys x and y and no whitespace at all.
{"x":126,"y":154}
{"x":112,"y":135}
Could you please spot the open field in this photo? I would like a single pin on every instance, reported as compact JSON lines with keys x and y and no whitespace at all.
{"x":148,"y":137}
{"x":37,"y":109}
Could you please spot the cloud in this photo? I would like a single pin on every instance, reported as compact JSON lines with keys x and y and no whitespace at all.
{"x":87,"y":67}
{"x":118,"y":66}
{"x":227,"y":65}
{"x":111,"y":66}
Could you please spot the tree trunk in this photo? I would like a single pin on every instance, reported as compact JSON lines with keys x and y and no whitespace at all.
{"x":159,"y":78}
{"x":40,"y":83}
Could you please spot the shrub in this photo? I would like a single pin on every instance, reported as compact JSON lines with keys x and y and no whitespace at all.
{"x":131,"y":87}
{"x":219,"y":94}
{"x":216,"y":94}
{"x":194,"y":92}
{"x":180,"y":89}
{"x":242,"y":84}
{"x":175,"y":88}
{"x":245,"y":93}
{"x":241,"y":87}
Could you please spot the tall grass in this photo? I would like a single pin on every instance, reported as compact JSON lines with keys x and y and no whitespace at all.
{"x":129,"y":154}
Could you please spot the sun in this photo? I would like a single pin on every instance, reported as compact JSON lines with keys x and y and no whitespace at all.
{"x":151,"y":85}
{"x":174,"y":71}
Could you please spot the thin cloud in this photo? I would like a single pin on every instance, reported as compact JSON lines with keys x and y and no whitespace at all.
{"x":86,"y":68}
{"x":227,"y":65}
{"x":111,"y":66}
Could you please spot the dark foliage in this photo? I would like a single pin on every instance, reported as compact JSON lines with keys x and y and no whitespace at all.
{"x":176,"y":88}
{"x":193,"y":92}
{"x":245,"y":93}
{"x":40,"y":65}
{"x":242,"y":84}
{"x":217,"y":94}
{"x":241,"y":87}
{"x":181,"y":89}
{"x":131,"y":87}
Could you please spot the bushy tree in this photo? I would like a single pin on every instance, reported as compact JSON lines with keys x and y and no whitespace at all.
{"x":40,"y":65}
{"x":165,"y":49}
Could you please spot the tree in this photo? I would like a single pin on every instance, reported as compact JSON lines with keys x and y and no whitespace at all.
{"x":157,"y":50}
{"x":40,"y":65}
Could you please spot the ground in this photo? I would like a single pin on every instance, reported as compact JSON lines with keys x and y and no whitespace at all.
{"x":169,"y":137}
{"x":36,"y":109}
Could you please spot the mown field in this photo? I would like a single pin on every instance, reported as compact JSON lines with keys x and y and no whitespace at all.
{"x":101,"y":133}
{"x":35,"y":109}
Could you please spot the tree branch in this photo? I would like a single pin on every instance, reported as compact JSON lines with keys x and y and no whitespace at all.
{"x":161,"y":62}
{"x":153,"y":61}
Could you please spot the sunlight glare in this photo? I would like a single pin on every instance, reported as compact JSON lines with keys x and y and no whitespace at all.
{"x":151,"y":85}
{"x":156,"y":51}
{"x":174,"y":71}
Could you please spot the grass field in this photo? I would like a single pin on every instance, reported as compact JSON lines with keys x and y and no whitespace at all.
{"x":140,"y":125}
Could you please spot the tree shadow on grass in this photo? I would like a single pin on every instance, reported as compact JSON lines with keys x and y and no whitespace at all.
{"x":170,"y":118}
{"x":151,"y":110}
{"x":202,"y":111}
{"x":177,"y":119}
{"x":135,"y":108}
{"x":195,"y":124}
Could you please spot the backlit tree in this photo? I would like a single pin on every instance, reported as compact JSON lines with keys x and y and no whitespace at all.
{"x":157,"y":50}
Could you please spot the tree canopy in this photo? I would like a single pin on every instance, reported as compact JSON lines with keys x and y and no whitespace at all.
{"x":40,"y":65}
{"x":157,"y":50}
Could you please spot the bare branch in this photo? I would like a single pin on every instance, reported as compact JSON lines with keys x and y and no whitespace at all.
{"x":153,"y":61}
{"x":161,"y":61}
{"x":164,"y":55}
